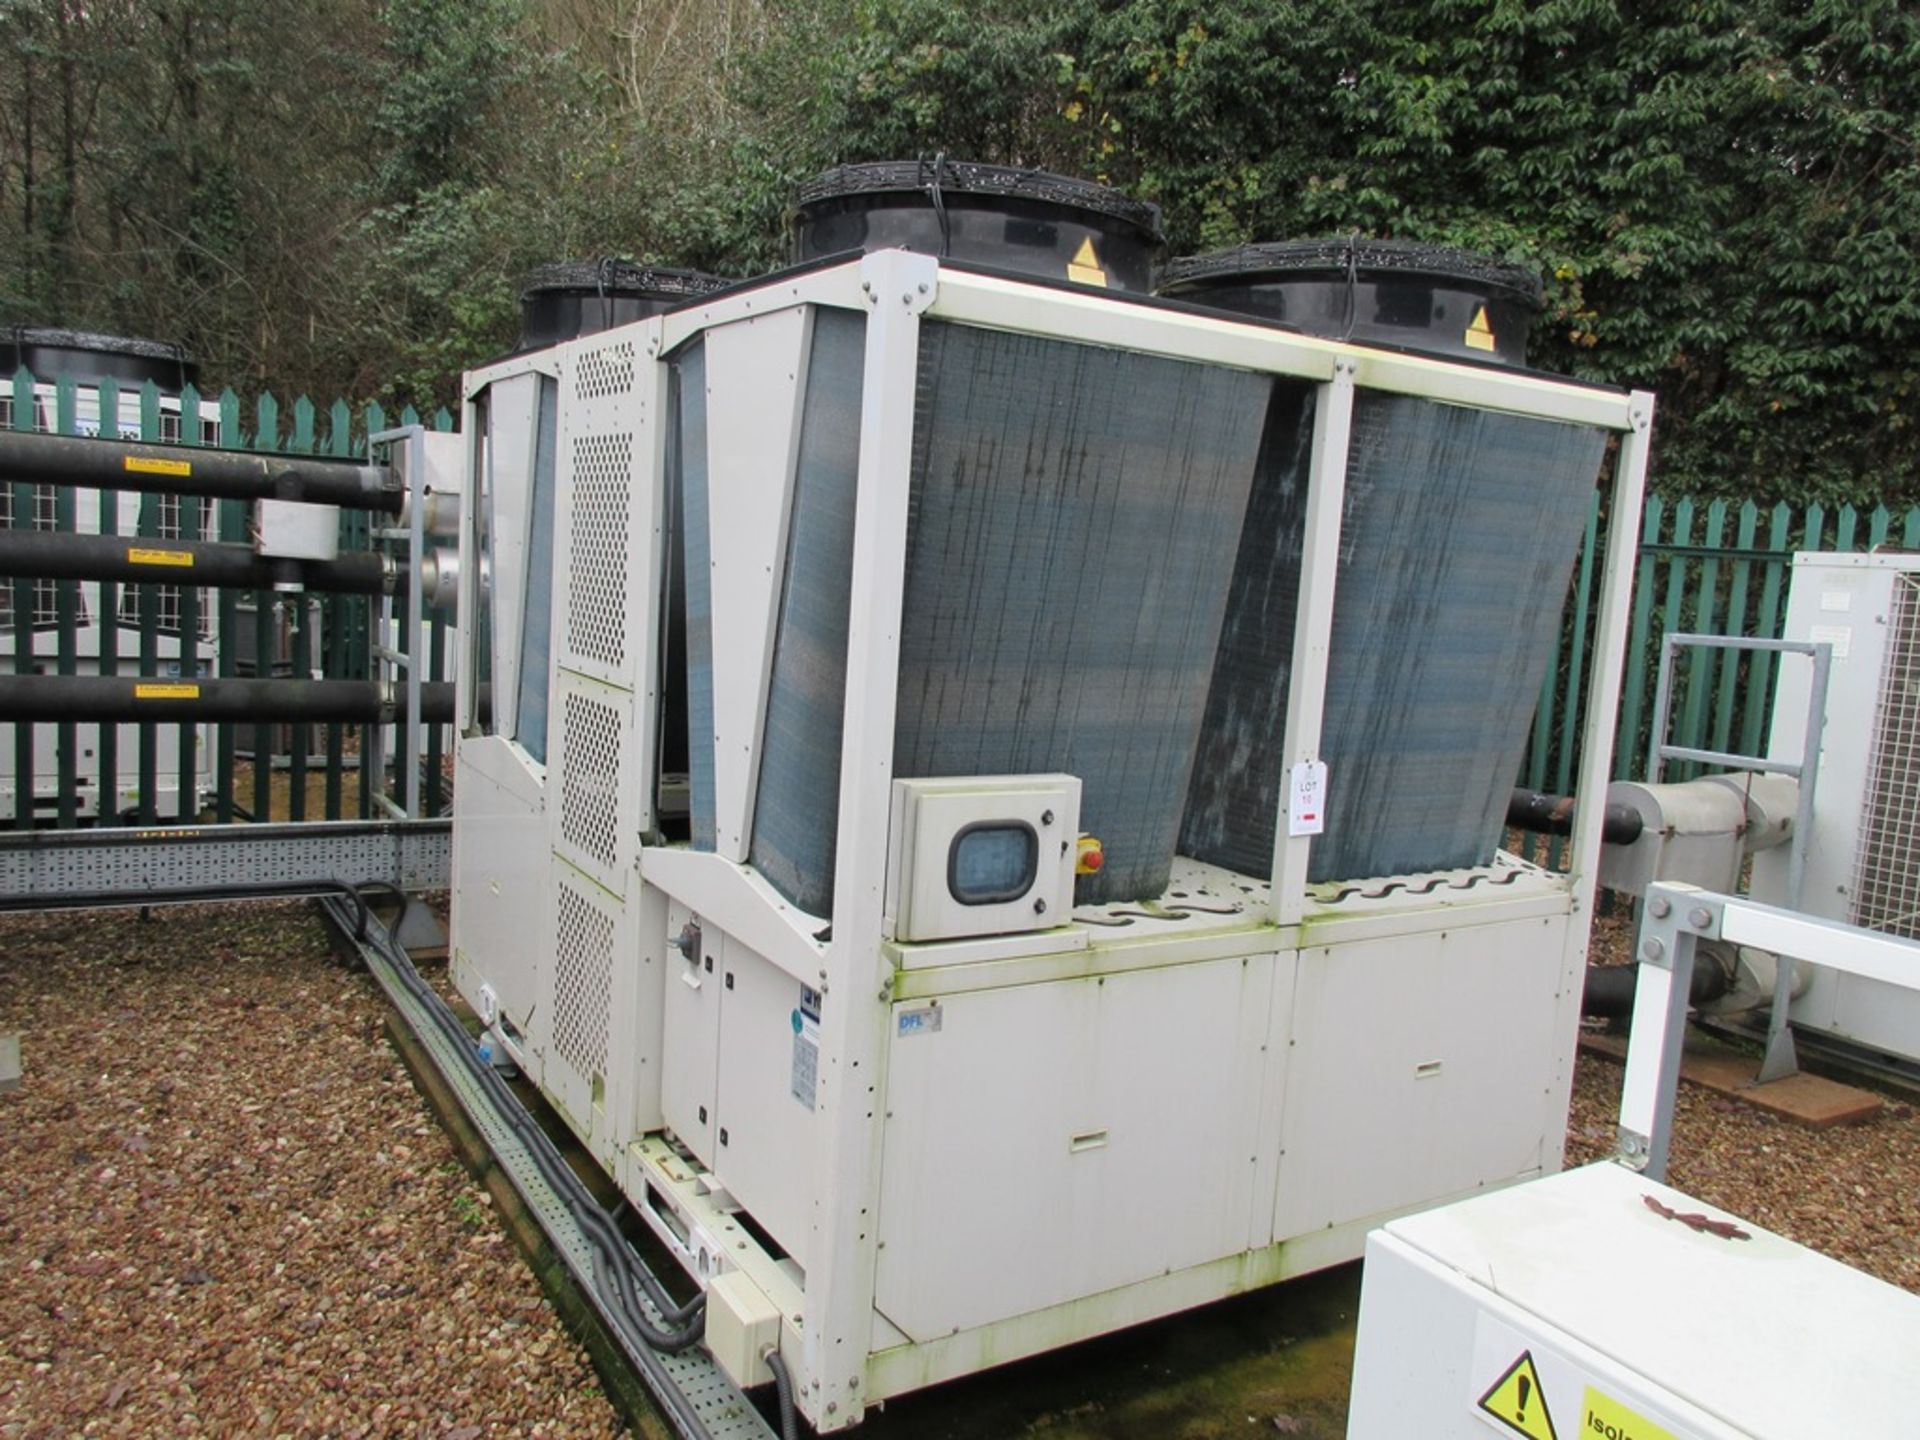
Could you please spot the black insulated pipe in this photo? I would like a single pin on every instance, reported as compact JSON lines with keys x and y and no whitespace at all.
{"x":1609,"y":989}
{"x":125,"y":699}
{"x":31,"y":458}
{"x":52,"y":555}
{"x":1545,"y":814}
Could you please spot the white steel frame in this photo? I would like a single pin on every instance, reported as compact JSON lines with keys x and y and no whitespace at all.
{"x":1674,"y":920}
{"x":840,"y":1363}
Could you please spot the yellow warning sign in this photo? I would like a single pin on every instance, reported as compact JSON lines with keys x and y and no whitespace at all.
{"x":147,"y":465}
{"x":1084,"y":268}
{"x":166,"y":692}
{"x":180,"y":558}
{"x":1516,"y":1401}
{"x":1479,"y":332}
{"x":1604,"y":1418}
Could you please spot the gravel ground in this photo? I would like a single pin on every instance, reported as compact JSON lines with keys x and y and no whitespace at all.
{"x":226,"y":1211}
{"x":1852,"y":1192}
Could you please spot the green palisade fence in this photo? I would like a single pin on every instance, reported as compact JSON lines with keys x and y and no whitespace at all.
{"x":257,"y":633}
{"x":1719,"y":568}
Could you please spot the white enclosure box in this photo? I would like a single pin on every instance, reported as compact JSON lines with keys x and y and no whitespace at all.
{"x":741,"y":1323}
{"x":296,"y":530}
{"x":1863,"y":855}
{"x":983,"y":855}
{"x":1574,"y":1309}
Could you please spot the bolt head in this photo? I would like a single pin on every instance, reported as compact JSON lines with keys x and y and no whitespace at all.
{"x":1700,"y":917}
{"x":1652,"y":949}
{"x":1660,"y":907}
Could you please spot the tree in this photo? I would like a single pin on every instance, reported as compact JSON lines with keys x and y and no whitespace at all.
{"x":1724,"y":197}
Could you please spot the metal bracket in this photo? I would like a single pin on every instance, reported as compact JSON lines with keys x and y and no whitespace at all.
{"x":900,"y":277}
{"x":1673,"y":921}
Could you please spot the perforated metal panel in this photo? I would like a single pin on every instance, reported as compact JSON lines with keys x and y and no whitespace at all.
{"x":590,"y":778}
{"x":597,"y":549}
{"x":140,"y":864}
{"x":604,"y":372}
{"x":688,"y":1383}
{"x":1886,"y":879}
{"x":582,"y":980}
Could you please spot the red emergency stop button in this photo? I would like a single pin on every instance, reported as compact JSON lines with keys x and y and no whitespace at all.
{"x":1091,"y":857}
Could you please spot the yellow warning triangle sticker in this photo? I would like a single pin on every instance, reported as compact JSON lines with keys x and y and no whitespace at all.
{"x":1084,"y":268}
{"x":1479,"y":332}
{"x":1515,"y":1399}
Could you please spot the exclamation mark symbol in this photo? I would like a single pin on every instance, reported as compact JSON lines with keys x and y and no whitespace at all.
{"x":1526,"y":1389}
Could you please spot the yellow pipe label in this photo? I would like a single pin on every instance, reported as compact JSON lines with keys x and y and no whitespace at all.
{"x":148,"y":465}
{"x":166,"y":692}
{"x":183,"y":559}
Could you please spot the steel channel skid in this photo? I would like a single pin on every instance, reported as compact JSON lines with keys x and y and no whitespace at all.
{"x":1780,"y":1060}
{"x":45,"y":869}
{"x":695,"y":1396}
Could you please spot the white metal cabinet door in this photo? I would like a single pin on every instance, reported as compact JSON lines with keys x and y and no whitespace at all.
{"x":769,"y":1062}
{"x":500,"y":908}
{"x":689,"y":1047}
{"x":1417,"y":1070}
{"x":1046,"y":1143}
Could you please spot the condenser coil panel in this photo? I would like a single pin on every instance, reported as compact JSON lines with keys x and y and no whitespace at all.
{"x":1075,"y":513}
{"x":1460,"y":534}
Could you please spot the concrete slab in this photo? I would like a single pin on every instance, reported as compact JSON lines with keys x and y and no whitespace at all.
{"x":9,"y":1063}
{"x":1810,"y":1100}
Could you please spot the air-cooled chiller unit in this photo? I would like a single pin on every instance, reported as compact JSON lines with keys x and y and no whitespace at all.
{"x":896,"y":848}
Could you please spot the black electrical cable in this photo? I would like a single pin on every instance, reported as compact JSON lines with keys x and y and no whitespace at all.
{"x":1353,"y":285}
{"x":614,"y":1258}
{"x":940,"y":204}
{"x":783,"y":1389}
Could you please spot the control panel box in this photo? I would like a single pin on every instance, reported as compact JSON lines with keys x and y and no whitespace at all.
{"x":982,"y":855}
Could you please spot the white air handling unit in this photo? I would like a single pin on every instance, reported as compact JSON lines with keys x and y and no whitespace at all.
{"x":1863,"y":855}
{"x":897,"y":846}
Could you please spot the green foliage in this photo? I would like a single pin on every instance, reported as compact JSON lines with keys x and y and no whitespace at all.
{"x":1724,"y":197}
{"x":442,"y":66}
{"x":341,"y":195}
